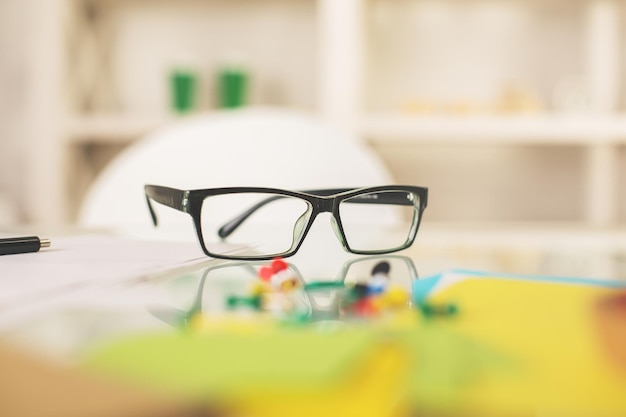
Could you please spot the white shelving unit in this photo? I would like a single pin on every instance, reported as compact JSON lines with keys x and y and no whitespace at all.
{"x":600,"y":132}
{"x":600,"y":137}
{"x":340,"y":78}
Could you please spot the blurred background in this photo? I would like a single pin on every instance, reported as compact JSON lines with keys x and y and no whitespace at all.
{"x":510,"y":111}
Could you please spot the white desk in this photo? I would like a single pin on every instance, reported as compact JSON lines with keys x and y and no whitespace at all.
{"x":65,"y":326}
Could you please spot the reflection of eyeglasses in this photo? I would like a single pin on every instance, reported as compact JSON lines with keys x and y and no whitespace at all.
{"x":269,"y":222}
{"x":321,"y":299}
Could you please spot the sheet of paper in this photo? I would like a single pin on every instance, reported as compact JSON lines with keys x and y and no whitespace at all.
{"x":73,"y":263}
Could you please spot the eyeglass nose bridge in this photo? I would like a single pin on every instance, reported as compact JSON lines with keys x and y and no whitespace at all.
{"x":324,"y":205}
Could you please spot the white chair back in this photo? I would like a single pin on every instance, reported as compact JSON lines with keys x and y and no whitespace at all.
{"x":250,"y":147}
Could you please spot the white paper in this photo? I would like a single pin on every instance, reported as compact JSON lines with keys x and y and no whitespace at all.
{"x":75,"y":262}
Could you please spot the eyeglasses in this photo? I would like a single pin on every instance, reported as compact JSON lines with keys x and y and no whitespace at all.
{"x":264,"y":223}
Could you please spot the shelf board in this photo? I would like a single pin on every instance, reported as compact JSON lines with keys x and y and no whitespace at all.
{"x":382,"y":129}
{"x":111,"y":128}
{"x":483,"y":129}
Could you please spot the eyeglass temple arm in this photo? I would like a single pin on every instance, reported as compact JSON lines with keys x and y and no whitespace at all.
{"x":384,"y":198}
{"x":170,"y":197}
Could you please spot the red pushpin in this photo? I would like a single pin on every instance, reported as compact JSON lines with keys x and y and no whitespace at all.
{"x":278,"y":265}
{"x":265,"y":273}
{"x":365,"y":307}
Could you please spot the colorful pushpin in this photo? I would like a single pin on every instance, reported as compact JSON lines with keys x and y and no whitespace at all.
{"x":265,"y":273}
{"x":278,"y":265}
{"x":282,"y":278}
{"x":379,"y":278}
{"x":438,"y":310}
{"x":234,"y":301}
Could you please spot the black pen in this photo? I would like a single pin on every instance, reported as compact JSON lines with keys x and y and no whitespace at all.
{"x":15,"y":245}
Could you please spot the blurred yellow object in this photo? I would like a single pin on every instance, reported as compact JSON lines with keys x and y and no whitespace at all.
{"x":395,"y":297}
{"x":235,"y":323}
{"x":549,"y":328}
{"x":518,"y":99}
{"x":259,"y":287}
{"x":269,"y":370}
{"x":376,"y":389}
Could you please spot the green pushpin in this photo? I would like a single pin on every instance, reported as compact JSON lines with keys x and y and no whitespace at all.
{"x":438,"y":310}
{"x":233,"y":302}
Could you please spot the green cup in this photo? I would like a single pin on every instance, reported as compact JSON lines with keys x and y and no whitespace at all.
{"x":183,"y":84}
{"x":232,"y":85}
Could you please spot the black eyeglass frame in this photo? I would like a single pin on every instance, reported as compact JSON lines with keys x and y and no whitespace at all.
{"x":320,"y":201}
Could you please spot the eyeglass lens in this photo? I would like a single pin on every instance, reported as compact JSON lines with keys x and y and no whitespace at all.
{"x":378,"y":226}
{"x":274,"y":227}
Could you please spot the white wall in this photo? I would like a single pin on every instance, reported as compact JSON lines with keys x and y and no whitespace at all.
{"x":451,"y":51}
{"x":13,"y":84}
{"x":32,"y":104}
{"x":274,"y":40}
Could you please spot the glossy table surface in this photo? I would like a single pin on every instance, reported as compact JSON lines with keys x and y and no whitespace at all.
{"x":64,"y":331}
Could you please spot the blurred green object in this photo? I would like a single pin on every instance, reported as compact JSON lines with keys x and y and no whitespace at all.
{"x":232,"y":84}
{"x":183,"y":90}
